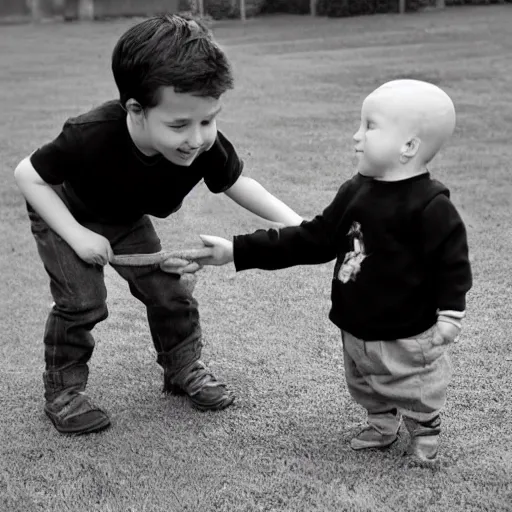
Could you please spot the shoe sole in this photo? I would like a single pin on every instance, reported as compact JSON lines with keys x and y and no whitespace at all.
{"x":420,"y":462}
{"x":217,"y":406}
{"x":89,"y":429}
{"x":369,"y":446}
{"x":423,"y":459}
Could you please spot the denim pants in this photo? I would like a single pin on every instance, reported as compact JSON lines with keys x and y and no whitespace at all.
{"x":410,"y":374}
{"x":79,"y":294}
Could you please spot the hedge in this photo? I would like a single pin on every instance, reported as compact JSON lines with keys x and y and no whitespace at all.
{"x":339,"y":8}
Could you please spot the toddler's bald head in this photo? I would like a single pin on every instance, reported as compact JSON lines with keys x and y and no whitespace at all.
{"x":424,"y":110}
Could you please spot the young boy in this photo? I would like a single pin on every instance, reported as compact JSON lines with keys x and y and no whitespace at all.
{"x":89,"y":193}
{"x":402,"y":270}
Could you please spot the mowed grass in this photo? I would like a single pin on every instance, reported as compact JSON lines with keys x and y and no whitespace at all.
{"x":284,"y":444}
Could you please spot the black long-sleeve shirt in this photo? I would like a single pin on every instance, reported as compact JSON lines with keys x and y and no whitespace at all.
{"x":401,"y":255}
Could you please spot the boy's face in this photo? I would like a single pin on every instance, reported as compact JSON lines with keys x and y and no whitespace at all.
{"x":180,"y":127}
{"x":380,"y":138}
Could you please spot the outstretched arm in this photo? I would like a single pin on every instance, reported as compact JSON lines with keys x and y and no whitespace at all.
{"x":309,"y":243}
{"x":252,"y":196}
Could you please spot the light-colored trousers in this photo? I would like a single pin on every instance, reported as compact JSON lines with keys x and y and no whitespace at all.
{"x":409,"y":374}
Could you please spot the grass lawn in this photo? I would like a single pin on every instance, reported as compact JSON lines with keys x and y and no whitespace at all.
{"x":283,"y":446}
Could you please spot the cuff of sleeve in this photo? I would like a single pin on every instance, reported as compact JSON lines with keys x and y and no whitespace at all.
{"x":451,"y":313}
{"x":452,"y":317}
{"x":239,"y":261}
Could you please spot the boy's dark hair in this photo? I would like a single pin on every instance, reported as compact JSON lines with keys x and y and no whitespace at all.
{"x":169,"y":50}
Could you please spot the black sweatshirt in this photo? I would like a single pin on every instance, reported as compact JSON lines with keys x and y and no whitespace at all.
{"x":401,"y":255}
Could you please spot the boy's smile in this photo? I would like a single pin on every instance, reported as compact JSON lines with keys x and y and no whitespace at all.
{"x":180,"y":127}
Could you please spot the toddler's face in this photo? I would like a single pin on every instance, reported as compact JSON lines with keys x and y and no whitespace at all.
{"x":181,"y":126}
{"x":380,"y":137}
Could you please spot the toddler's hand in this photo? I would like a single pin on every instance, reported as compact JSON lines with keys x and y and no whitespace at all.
{"x":221,"y":250}
{"x":184,"y":261}
{"x":445,"y":333}
{"x":92,"y":248}
{"x":180,"y":266}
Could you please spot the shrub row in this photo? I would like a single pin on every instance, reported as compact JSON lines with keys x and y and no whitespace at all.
{"x":336,"y":8}
{"x":223,"y":9}
{"x":339,"y":8}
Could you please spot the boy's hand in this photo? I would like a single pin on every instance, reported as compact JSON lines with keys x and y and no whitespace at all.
{"x":92,"y":248}
{"x":445,"y":333}
{"x":221,"y":250}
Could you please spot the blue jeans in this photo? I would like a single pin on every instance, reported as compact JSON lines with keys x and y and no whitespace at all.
{"x":79,"y":293}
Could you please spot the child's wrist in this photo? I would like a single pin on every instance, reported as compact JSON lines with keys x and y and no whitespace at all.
{"x":230,"y":253}
{"x":297,"y":221}
{"x":451,"y":317}
{"x":449,"y":320}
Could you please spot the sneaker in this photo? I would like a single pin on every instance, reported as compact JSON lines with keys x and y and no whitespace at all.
{"x":368,"y":437}
{"x":424,"y":444}
{"x":201,"y":387}
{"x":424,"y":449}
{"x":74,"y":413}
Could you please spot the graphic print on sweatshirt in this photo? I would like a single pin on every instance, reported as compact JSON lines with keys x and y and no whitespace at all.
{"x":353,"y":259}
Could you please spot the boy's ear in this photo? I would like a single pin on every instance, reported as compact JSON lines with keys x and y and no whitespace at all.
{"x":410,"y":149}
{"x":134,"y":107}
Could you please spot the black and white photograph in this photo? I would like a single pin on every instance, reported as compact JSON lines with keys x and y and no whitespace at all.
{"x":256,"y":255}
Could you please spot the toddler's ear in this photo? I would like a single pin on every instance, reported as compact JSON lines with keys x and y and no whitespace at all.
{"x":410,"y":149}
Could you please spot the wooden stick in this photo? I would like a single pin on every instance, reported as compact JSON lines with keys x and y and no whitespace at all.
{"x":171,"y":258}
